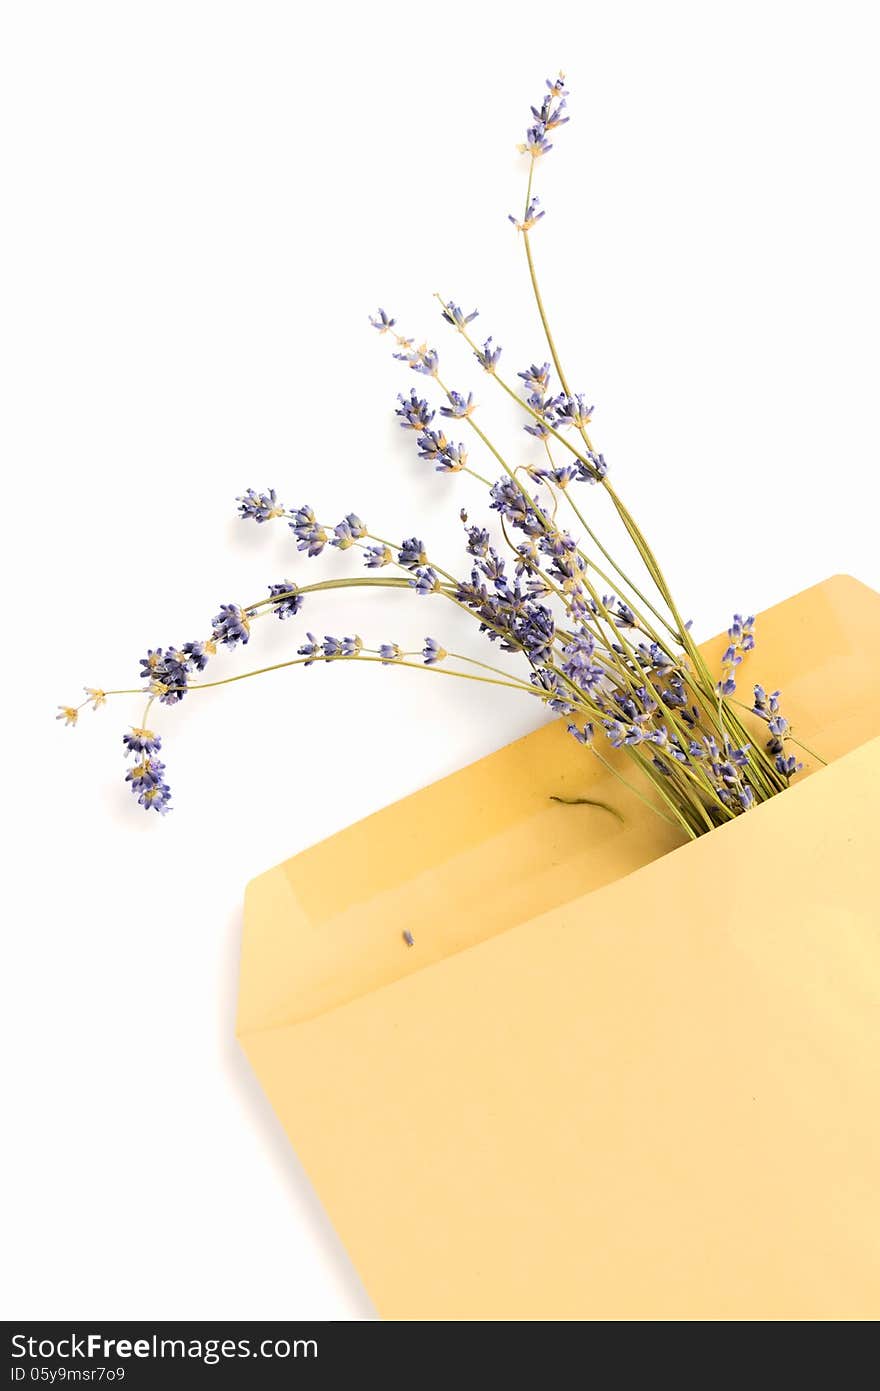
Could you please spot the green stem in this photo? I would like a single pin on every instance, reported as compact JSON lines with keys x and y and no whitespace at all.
{"x":626,"y":579}
{"x":677,"y":821}
{"x":303,"y":661}
{"x":788,"y":735}
{"x":543,"y":314}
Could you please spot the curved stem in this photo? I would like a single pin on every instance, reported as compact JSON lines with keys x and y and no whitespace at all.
{"x":354,"y":657}
{"x":544,"y":320}
{"x":413,"y":666}
{"x":636,"y":793}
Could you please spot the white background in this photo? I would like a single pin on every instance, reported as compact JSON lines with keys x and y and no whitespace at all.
{"x":201,"y":204}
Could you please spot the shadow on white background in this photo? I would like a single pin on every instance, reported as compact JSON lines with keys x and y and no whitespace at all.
{"x":283,"y":1166}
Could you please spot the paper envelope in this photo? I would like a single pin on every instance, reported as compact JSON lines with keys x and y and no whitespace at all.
{"x":615,"y":1077}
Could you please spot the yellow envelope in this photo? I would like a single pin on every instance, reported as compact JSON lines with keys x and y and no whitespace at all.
{"x":616,"y":1077}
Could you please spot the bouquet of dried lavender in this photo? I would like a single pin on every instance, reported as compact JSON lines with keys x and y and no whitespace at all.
{"x":615,"y":659}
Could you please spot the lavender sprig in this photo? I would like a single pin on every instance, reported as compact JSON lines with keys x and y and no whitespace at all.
{"x":612,"y":656}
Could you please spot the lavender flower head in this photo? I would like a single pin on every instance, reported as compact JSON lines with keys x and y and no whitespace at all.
{"x":459,"y":407}
{"x":259,"y":507}
{"x":533,"y":214}
{"x":288,"y":600}
{"x":382,"y":321}
{"x":311,"y":537}
{"x":231,"y":626}
{"x":432,"y":652}
{"x":455,"y":316}
{"x":414,"y":412}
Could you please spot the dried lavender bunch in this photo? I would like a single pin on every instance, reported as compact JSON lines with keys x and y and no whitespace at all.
{"x":620,"y":666}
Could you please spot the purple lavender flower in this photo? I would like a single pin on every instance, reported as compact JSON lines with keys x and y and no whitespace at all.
{"x":349,"y":530}
{"x":197,"y":654}
{"x":412,"y":553}
{"x":561,"y":476}
{"x":154,"y":662}
{"x":459,"y":407}
{"x":259,"y":507}
{"x":584,"y":735}
{"x":453,"y":459}
{"x":382,"y":322}
{"x":548,"y":682}
{"x":431,"y":444}
{"x":492,"y":566}
{"x":377,"y":556}
{"x":742,"y":639}
{"x":536,"y":142}
{"x":342,"y":538}
{"x":534,"y":213}
{"x":488,"y":355}
{"x":310,"y":649}
{"x":166,"y":674}
{"x":140,"y":740}
{"x":526,"y":557}
{"x":515,"y":507}
{"x":455,"y":316}
{"x":765,"y":705}
{"x":432,"y":652}
{"x":537,"y":633}
{"x":537,"y":379}
{"x":231,"y":626}
{"x":147,"y":773}
{"x":414,"y":412}
{"x":578,"y":664}
{"x":655,"y":658}
{"x":310,"y":536}
{"x":446,"y":457}
{"x":742,"y":632}
{"x":390,"y":652}
{"x":477,"y":541}
{"x":543,"y":415}
{"x":422,"y":359}
{"x":615,"y":733}
{"x":177,"y":666}
{"x":288,"y":599}
{"x":426,"y":580}
{"x":633,"y":708}
{"x":147,"y":784}
{"x":342,"y":647}
{"x":570,"y":410}
{"x":567,"y":565}
{"x":788,"y":765}
{"x":548,"y":115}
{"x":156,"y":798}
{"x":538,"y":429}
{"x":595,"y":472}
{"x":675,"y":695}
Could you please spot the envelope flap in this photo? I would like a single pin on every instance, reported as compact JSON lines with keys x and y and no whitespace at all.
{"x":484,"y":849}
